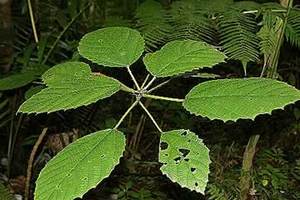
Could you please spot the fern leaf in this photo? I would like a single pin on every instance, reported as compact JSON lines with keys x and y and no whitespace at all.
{"x":151,"y":22}
{"x":4,"y":193}
{"x":216,"y":193}
{"x":268,"y":33}
{"x":191,"y":21}
{"x":238,"y":36}
{"x":292,"y":32}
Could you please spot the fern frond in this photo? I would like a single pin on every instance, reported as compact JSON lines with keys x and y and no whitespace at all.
{"x":216,"y":6}
{"x":191,"y":21}
{"x":292,"y":32}
{"x":151,"y":22}
{"x":246,"y":5}
{"x":268,"y":34}
{"x":217,"y":193}
{"x":238,"y":36}
{"x":4,"y":193}
{"x":296,"y":170}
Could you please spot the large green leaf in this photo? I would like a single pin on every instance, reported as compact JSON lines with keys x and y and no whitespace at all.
{"x":22,"y":78}
{"x":185,"y":159}
{"x":232,"y":99}
{"x":70,"y":85}
{"x":80,"y":166}
{"x":113,"y":46}
{"x":181,"y":56}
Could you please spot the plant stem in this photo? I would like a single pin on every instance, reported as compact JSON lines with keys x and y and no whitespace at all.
{"x":17,"y":130}
{"x":126,"y":113}
{"x":150,"y":116}
{"x":158,"y":86}
{"x":128,"y":89}
{"x":272,"y":72}
{"x":264,"y":68}
{"x":63,"y":32}
{"x":133,"y":78}
{"x":247,"y":166}
{"x":30,"y":162}
{"x":150,"y":83}
{"x":36,"y":39}
{"x":250,"y":150}
{"x":11,"y":135}
{"x":256,"y":11}
{"x":145,"y":81}
{"x":162,"y":98}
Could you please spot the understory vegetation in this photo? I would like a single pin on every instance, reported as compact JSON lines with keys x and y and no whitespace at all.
{"x":146,"y":99}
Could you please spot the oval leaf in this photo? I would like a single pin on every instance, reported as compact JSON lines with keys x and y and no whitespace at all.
{"x":22,"y":78}
{"x":80,"y":166}
{"x":113,"y":46}
{"x":185,"y":159}
{"x":16,"y":80}
{"x":233,"y":99}
{"x":70,"y":85}
{"x":181,"y":56}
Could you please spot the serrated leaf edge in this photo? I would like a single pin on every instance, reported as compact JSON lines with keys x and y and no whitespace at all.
{"x":117,"y":65}
{"x":85,"y":104}
{"x":69,"y":146}
{"x":174,"y":180}
{"x":241,"y":118}
{"x":189,"y":70}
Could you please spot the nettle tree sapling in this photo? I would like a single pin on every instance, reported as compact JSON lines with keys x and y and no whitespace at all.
{"x":184,"y":157}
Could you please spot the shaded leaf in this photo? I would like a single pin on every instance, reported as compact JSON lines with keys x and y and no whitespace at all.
{"x":22,"y":78}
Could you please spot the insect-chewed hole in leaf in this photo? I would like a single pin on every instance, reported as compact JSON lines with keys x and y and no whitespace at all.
{"x":184,"y":133}
{"x":164,"y":145}
{"x":102,"y":156}
{"x":177,"y":160}
{"x":166,"y":154}
{"x":184,"y":152}
{"x":196,"y":184}
{"x":186,"y":159}
{"x":193,"y":169}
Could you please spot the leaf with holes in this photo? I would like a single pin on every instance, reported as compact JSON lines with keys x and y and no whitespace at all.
{"x":185,"y":159}
{"x":70,"y":85}
{"x":113,"y":46}
{"x":233,"y":99}
{"x":182,"y":56}
{"x":80,"y":166}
